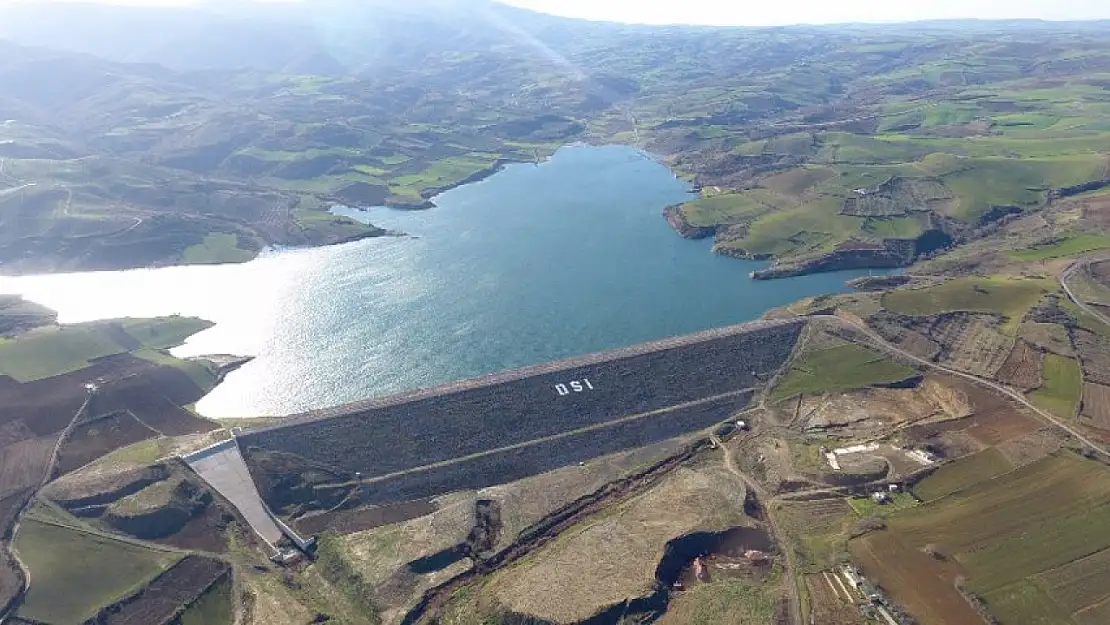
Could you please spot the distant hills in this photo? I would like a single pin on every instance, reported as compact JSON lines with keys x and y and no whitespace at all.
{"x":139,"y":136}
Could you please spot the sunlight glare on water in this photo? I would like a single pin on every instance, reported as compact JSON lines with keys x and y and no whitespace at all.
{"x":533,"y":264}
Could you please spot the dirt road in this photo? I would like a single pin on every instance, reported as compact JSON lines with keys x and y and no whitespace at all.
{"x":30,"y":500}
{"x":794,"y":600}
{"x":881,"y":343}
{"x":1082,"y":264}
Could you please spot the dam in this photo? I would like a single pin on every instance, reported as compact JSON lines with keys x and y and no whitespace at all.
{"x":506,"y":426}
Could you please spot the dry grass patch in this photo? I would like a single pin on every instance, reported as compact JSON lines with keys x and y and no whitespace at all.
{"x":1031,"y":447}
{"x":817,"y":530}
{"x":607,"y":560}
{"x":976,"y":346}
{"x":1096,"y":406}
{"x":1051,"y":337}
{"x":380,"y":555}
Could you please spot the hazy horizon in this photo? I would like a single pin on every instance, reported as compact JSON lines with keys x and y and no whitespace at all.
{"x":785,"y":12}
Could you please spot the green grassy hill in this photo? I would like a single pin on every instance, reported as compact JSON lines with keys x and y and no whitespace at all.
{"x":811,"y":141}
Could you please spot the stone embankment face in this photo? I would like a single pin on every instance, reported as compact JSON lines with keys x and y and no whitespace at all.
{"x":510,"y":425}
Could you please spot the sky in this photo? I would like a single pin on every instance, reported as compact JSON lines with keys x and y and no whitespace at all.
{"x":779,"y":12}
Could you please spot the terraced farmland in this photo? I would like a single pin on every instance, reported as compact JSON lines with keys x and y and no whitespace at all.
{"x":167,"y":596}
{"x":516,"y":424}
{"x":1023,"y":574}
{"x":68,"y":569}
{"x":1022,"y":368}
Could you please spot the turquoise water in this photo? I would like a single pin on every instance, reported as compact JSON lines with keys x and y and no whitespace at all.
{"x":536,"y":263}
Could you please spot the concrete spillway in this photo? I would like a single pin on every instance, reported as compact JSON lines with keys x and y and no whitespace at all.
{"x":222,"y":466}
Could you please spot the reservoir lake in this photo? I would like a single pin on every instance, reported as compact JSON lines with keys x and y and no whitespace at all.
{"x":536,"y":263}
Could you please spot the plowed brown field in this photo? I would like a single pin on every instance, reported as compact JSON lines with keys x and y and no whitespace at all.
{"x":1023,"y":367}
{"x":994,"y":418}
{"x":923,"y":585}
{"x":1096,"y":406}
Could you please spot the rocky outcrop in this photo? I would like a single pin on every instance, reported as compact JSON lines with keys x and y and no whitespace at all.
{"x":683,"y":227}
{"x":1092,"y":185}
{"x":888,"y":254}
{"x":879,"y":283}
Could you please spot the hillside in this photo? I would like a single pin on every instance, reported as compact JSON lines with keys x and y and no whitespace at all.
{"x":931,"y":448}
{"x":820,"y":147}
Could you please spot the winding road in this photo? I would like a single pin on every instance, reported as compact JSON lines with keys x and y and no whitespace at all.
{"x":1077,"y":265}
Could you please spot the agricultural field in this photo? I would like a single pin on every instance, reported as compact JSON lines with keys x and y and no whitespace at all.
{"x":919,"y":583}
{"x":1069,"y":245}
{"x":18,"y":315}
{"x":214,"y":607}
{"x":166,"y":332}
{"x":831,"y":601}
{"x":963,"y":473}
{"x":1023,"y":367}
{"x":1063,"y":386}
{"x":1096,"y":406}
{"x":98,"y":437}
{"x":1100,"y":273}
{"x":44,"y":389}
{"x":170,"y":598}
{"x":971,"y":342}
{"x":68,"y":568}
{"x":53,"y":351}
{"x":868,"y":507}
{"x":1094,"y":355}
{"x":216,"y":248}
{"x":1009,"y":297}
{"x":839,"y":369}
{"x":983,"y":531}
{"x":1048,"y":337}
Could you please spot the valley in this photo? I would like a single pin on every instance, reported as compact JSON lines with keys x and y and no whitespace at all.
{"x":492,"y":382}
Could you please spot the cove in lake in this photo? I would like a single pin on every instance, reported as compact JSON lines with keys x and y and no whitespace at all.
{"x":536,"y":263}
